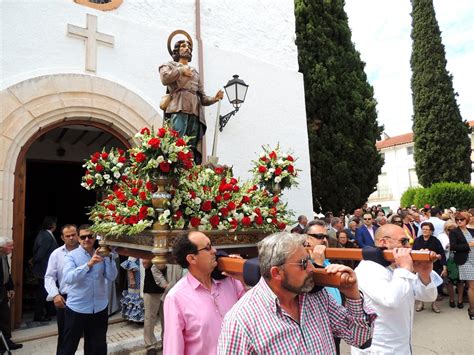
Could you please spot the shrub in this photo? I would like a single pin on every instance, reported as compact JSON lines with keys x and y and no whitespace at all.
{"x":422,"y":197}
{"x":457,"y":194}
{"x":408,"y":197}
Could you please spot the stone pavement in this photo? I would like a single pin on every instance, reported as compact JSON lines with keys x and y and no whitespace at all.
{"x":450,"y":332}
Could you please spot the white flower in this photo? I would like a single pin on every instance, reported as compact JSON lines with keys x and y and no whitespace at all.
{"x":271,"y":170}
{"x":109,"y":182}
{"x":269,"y":220}
{"x":278,"y":179}
{"x":280,"y":161}
{"x":116,"y":174}
{"x":106,"y":176}
{"x":160,"y":159}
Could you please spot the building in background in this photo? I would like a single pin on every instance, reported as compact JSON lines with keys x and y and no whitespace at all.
{"x":398,"y":172}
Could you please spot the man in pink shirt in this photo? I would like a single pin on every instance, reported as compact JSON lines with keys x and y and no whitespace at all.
{"x":195,"y":307}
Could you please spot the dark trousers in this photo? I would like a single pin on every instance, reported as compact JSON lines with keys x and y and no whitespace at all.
{"x":93,"y":326}
{"x":60,"y":318}
{"x":5,"y":314}
{"x":40,"y":301}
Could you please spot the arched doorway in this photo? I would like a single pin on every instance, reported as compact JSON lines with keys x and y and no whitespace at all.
{"x":52,"y":106}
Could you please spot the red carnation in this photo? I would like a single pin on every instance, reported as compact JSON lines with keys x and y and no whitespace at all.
{"x":218,"y":170}
{"x":246,"y":221}
{"x":120,"y":151}
{"x":135,"y":191}
{"x":214,"y":221}
{"x":234,"y":224}
{"x":233,"y":181}
{"x":165,"y":166}
{"x":195,"y":221}
{"x":111,"y":207}
{"x":193,"y":194}
{"x":224,"y":211}
{"x":150,"y":186}
{"x":227,"y":196}
{"x":291,"y":169}
{"x":236,"y":188}
{"x":99,"y":168}
{"x":154,"y":143}
{"x":143,"y":213}
{"x":122,"y":159}
{"x":277,"y":171}
{"x":272,"y":211}
{"x":94,"y":159}
{"x":142,"y":196}
{"x":290,"y":158}
{"x":258,"y":220}
{"x":118,"y":219}
{"x":245,"y":199}
{"x":262,"y":169}
{"x":133,"y":219}
{"x":272,"y":155}
{"x":231,"y":205}
{"x":140,"y":157}
{"x":257,"y":211}
{"x":89,"y":182}
{"x":161,"y":132}
{"x":180,"y":142}
{"x":264,"y":158}
{"x":110,"y":197}
{"x":276,"y":199}
{"x":145,"y":130}
{"x":218,"y":198}
{"x":281,"y":226}
{"x":206,"y":206}
{"x":131,"y":203}
{"x":104,"y":155}
{"x":177,"y":215}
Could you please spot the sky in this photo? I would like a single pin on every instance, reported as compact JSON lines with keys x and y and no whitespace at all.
{"x":381,"y":33}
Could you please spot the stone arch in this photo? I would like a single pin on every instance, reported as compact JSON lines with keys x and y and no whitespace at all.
{"x":37,"y":105}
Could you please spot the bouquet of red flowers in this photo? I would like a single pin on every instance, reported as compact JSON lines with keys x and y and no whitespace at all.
{"x":104,"y":169}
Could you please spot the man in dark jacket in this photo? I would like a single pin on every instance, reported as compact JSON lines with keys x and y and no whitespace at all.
{"x":45,"y":244}
{"x":6,"y":294}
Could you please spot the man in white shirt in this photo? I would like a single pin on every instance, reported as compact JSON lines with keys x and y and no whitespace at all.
{"x":53,"y":279}
{"x":391,"y":291}
{"x":435,"y":218}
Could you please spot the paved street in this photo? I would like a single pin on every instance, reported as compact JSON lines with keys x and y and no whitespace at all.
{"x":450,"y":332}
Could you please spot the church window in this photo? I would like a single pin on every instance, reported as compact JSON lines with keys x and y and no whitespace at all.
{"x":104,"y":5}
{"x":410,"y":150}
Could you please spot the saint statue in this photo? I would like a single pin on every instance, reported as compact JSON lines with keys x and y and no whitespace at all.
{"x":185,"y":109}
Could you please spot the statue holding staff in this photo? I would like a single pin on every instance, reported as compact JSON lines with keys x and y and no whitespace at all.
{"x":186,"y":94}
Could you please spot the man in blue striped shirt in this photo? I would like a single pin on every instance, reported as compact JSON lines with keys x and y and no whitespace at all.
{"x":87,"y":274}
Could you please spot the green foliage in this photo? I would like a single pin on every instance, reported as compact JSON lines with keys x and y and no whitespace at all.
{"x":442,"y":145}
{"x":447,"y":194}
{"x":340,"y":108}
{"x":408,"y":197}
{"x":442,"y":194}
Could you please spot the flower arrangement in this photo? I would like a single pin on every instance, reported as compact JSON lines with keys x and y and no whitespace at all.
{"x":126,"y":209}
{"x":162,"y":151}
{"x":104,"y":169}
{"x":211,"y":198}
{"x":274,"y":168}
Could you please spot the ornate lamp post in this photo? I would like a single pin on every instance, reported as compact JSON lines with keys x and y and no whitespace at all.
{"x":236,"y":91}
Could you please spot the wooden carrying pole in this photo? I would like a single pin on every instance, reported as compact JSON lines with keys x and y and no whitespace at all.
{"x":321,"y":277}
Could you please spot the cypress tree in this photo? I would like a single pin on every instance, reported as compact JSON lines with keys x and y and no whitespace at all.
{"x":442,"y":145}
{"x":340,"y":108}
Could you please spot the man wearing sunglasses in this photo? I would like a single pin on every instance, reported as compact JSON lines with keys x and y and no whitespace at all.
{"x":391,"y":290}
{"x":366,"y":233}
{"x":280,"y":315}
{"x":195,"y":307}
{"x":87,"y":275}
{"x":53,"y":279}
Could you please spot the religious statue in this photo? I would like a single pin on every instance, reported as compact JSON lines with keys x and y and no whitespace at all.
{"x":185,"y":108}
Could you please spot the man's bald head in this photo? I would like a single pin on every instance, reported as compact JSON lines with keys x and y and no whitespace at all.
{"x":390,"y":236}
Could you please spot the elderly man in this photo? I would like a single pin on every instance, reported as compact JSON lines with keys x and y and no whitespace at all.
{"x":53,"y":279}
{"x":6,"y":295}
{"x":86,"y":275}
{"x":279,"y":316}
{"x":302,"y":222}
{"x":195,"y":307}
{"x":391,"y":289}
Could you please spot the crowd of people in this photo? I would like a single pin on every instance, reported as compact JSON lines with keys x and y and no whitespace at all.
{"x":202,"y":311}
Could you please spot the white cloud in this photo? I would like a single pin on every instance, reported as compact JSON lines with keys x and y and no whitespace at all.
{"x":381,"y":33}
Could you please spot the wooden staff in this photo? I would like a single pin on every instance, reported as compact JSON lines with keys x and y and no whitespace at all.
{"x":320,"y":276}
{"x":356,"y":254}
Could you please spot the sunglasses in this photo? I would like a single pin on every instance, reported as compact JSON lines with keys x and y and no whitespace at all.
{"x":459,"y":219}
{"x":88,"y":236}
{"x":319,"y":236}
{"x":303,"y":263}
{"x":367,"y":219}
{"x":207,"y":248}
{"x":404,"y":241}
{"x":397,"y":221}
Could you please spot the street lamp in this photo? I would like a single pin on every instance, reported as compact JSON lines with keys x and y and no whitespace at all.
{"x":236,"y":90}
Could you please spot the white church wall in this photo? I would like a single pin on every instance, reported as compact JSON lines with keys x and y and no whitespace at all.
{"x":252,"y":39}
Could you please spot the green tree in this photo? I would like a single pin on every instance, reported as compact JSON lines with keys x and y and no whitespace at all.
{"x":442,"y":146}
{"x":340,"y":107}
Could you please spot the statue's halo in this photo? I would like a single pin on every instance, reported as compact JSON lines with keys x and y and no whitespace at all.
{"x":173,"y":34}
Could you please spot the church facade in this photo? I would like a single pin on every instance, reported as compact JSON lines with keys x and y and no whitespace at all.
{"x":80,"y":75}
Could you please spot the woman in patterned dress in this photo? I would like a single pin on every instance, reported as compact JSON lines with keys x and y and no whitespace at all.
{"x":461,"y":242}
{"x":132,"y":304}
